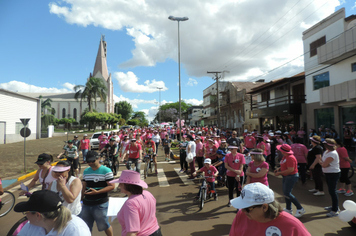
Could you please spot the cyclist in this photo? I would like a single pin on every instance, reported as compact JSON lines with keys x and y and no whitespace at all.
{"x":209,"y":171}
{"x":134,"y":152}
{"x":166,"y":142}
{"x":150,"y":148}
{"x":76,"y":141}
{"x":72,"y":155}
{"x":111,"y":150}
{"x":102,"y":144}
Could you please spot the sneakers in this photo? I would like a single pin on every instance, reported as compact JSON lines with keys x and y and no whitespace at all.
{"x":319,"y":193}
{"x":313,"y":190}
{"x":333,"y":213}
{"x":349,"y":193}
{"x":288,"y":211}
{"x":229,"y":204}
{"x":299,"y":213}
{"x":181,"y":171}
{"x":329,"y":208}
{"x":341,"y":190}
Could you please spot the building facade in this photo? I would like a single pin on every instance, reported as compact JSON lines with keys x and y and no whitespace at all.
{"x":330,"y":72}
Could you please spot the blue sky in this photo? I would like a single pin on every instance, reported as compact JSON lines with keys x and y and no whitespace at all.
{"x":49,"y":46}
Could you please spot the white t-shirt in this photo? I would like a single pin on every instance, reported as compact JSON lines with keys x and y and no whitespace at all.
{"x":334,"y":165}
{"x":156,"y":138}
{"x":74,"y":227}
{"x":192,"y":148}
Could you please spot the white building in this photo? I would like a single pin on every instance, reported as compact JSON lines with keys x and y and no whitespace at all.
{"x":66,"y":106}
{"x":330,"y":72}
{"x":13,"y":107}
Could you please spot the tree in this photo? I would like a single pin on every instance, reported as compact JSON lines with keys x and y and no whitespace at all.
{"x":170,"y":115}
{"x":93,"y":89}
{"x":133,"y":122}
{"x":141,"y":116}
{"x":124,"y":108}
{"x":45,"y":105}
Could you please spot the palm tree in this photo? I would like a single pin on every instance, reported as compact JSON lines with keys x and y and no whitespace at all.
{"x":46,"y":104}
{"x":93,"y":89}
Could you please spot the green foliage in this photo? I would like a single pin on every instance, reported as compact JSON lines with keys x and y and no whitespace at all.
{"x":133,"y":122}
{"x":124,"y":108}
{"x":175,"y":144}
{"x":66,"y":121}
{"x":171,"y":116}
{"x":122,"y":121}
{"x":141,"y":116}
{"x":47,"y":120}
{"x":99,"y":119}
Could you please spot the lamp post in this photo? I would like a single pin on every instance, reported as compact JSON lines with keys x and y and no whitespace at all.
{"x":178,"y":19}
{"x":159,"y":108}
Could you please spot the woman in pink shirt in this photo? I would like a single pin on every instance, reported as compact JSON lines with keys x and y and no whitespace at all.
{"x":301,"y":153}
{"x":344,"y":162}
{"x":138,"y":214}
{"x":258,"y":168}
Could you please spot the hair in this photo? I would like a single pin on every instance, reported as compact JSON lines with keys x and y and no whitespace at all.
{"x":298,"y":140}
{"x":339,"y":142}
{"x":332,"y":142}
{"x":133,"y":189}
{"x":61,"y":217}
{"x":65,"y":163}
{"x":317,"y":138}
{"x":274,"y":208}
{"x":258,"y":157}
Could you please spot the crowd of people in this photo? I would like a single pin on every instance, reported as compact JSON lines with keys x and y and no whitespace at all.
{"x":241,"y":163}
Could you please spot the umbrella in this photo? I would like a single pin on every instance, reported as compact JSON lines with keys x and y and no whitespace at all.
{"x":350,"y":123}
{"x":164,"y":123}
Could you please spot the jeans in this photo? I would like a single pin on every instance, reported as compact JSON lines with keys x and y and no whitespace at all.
{"x":317,"y":176}
{"x":84,"y":152}
{"x":157,"y":144}
{"x":133,"y":161}
{"x":331,"y":181}
{"x":288,"y":183}
{"x":97,"y":213}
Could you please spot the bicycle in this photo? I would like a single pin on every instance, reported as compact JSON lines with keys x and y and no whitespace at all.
{"x":7,"y":203}
{"x":205,"y":192}
{"x":16,"y":228}
{"x":70,"y":160}
{"x":149,"y":161}
{"x":108,"y":162}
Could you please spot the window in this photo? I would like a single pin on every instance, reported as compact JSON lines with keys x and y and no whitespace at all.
{"x":321,"y":80}
{"x":63,"y":113}
{"x":18,"y":127}
{"x":324,"y":117}
{"x":75,"y":113}
{"x":353,"y":67}
{"x":265,"y":96}
{"x":314,"y":45}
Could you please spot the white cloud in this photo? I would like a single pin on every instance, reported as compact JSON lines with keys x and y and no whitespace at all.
{"x":69,"y":86}
{"x":150,"y":113}
{"x":194,"y":102}
{"x":129,"y":83}
{"x":192,"y":82}
{"x":220,"y":35}
{"x":21,"y":87}
{"x":134,"y":102}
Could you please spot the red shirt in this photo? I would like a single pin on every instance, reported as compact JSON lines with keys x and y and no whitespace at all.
{"x":84,"y":144}
{"x":134,"y":151}
{"x":343,"y":154}
{"x":250,"y":141}
{"x":209,"y":172}
{"x":153,"y":145}
{"x":289,"y":161}
{"x":235,"y":163}
{"x":211,"y":151}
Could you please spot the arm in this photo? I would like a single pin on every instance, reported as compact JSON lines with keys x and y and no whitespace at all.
{"x":326,"y":163}
{"x":1,"y":190}
{"x":84,"y":187}
{"x":60,"y":154}
{"x":285,"y":172}
{"x":260,"y":174}
{"x":71,"y":194}
{"x":32,"y":183}
{"x":238,"y":172}
{"x":108,"y":188}
{"x":316,"y":161}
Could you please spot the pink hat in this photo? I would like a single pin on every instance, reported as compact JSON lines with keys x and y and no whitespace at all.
{"x":130,"y":177}
{"x":266,"y":139}
{"x":285,"y":148}
{"x":60,"y":168}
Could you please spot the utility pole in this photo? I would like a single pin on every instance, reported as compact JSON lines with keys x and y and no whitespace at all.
{"x":217,"y":92}
{"x":159,"y":108}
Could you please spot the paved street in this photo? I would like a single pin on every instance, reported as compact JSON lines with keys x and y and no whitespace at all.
{"x":177,"y":215}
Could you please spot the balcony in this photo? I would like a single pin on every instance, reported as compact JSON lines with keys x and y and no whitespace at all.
{"x":339,"y":48}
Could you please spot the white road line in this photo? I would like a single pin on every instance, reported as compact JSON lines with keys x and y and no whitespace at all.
{"x":183,"y":177}
{"x":162,"y":179}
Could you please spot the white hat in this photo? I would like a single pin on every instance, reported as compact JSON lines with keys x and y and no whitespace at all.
{"x":245,"y":130}
{"x":278,"y":132}
{"x":252,"y":195}
{"x":199,"y":132}
{"x":286,"y":132}
{"x":207,"y":160}
{"x":192,"y":131}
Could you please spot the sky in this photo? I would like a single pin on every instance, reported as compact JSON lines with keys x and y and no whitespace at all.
{"x":51,"y":46}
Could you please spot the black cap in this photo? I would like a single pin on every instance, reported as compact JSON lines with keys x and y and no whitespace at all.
{"x":92,"y":156}
{"x":75,"y":136}
{"x":70,"y":141}
{"x":112,"y":139}
{"x":43,"y":158}
{"x":40,"y":201}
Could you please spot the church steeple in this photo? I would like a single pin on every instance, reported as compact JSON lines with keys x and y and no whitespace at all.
{"x":100,"y":62}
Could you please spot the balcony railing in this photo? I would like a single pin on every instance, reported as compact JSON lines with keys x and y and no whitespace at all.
{"x":291,"y":99}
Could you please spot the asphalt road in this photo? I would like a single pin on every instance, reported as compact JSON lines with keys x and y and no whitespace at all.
{"x":178,"y":215}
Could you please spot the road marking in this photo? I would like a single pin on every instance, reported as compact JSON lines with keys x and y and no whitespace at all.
{"x":162,"y":179}
{"x":183,"y":177}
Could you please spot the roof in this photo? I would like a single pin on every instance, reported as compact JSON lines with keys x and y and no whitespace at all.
{"x":246,"y":85}
{"x":53,"y":96}
{"x":18,"y":94}
{"x":100,"y":62}
{"x":275,"y":82}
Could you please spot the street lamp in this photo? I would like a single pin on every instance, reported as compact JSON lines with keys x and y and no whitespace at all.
{"x":159,"y":108}
{"x":178,"y":19}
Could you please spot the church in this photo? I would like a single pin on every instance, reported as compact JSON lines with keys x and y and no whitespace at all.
{"x":66,"y":106}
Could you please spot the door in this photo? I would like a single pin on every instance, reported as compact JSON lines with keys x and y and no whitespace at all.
{"x":2,"y":132}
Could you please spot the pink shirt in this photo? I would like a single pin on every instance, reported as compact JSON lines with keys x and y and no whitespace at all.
{"x":262,"y":145}
{"x":289,"y":161}
{"x":284,"y":224}
{"x":234,"y":162}
{"x":300,"y":152}
{"x":300,"y":133}
{"x":163,"y":135}
{"x":250,"y":141}
{"x":138,"y":214}
{"x":343,"y":154}
{"x":199,"y":149}
{"x":84,"y":144}
{"x":209,"y":172}
{"x":256,"y":169}
{"x":134,"y":151}
{"x":102,"y":144}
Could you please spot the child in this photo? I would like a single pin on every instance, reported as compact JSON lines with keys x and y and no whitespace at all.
{"x":209,"y":170}
{"x":220,"y":167}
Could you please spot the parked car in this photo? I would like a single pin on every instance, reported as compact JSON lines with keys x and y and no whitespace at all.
{"x":126,"y":127}
{"x":94,"y":141}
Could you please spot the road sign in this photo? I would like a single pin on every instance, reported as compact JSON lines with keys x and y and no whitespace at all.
{"x":25,"y":134}
{"x":25,"y":121}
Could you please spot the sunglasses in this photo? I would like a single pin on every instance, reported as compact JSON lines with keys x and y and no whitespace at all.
{"x":249,"y":209}
{"x":91,"y":161}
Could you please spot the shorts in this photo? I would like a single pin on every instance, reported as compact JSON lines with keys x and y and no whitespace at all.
{"x":95,"y":213}
{"x":167,"y":150}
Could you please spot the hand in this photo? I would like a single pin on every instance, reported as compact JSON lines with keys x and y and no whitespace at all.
{"x":139,"y":161}
{"x":58,"y":156}
{"x":22,"y":193}
{"x":61,"y":182}
{"x":276,"y":173}
{"x":311,"y":167}
{"x":194,"y":174}
{"x":91,"y":191}
{"x":238,"y":172}
{"x":237,"y":178}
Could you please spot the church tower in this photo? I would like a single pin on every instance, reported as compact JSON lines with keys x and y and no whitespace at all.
{"x":101,"y":71}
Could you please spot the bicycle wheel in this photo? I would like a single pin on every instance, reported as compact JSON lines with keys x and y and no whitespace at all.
{"x":21,"y":223}
{"x":7,"y":203}
{"x":351,"y":172}
{"x":202,"y":198}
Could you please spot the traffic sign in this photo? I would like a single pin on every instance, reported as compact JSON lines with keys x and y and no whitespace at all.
{"x":28,"y":132}
{"x":25,"y":121}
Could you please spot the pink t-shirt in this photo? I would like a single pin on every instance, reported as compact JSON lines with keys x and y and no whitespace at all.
{"x":138,"y":214}
{"x":134,"y":151}
{"x":300,"y":133}
{"x":211,"y":151}
{"x":268,"y":149}
{"x":256,"y":169}
{"x":234,"y":162}
{"x":84,"y":144}
{"x":342,"y":154}
{"x":284,"y":224}
{"x":199,"y":149}
{"x":209,"y":172}
{"x":250,"y":141}
{"x":300,"y":152}
{"x":163,"y":135}
{"x":102,"y":144}
{"x":262,"y":145}
{"x":289,"y":161}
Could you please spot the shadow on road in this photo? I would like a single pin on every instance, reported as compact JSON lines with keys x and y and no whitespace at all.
{"x":218,"y":230}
